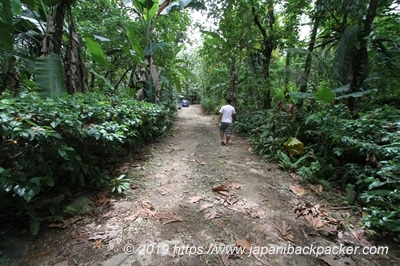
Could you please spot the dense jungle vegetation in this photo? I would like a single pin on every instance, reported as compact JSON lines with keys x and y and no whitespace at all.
{"x":83,"y":84}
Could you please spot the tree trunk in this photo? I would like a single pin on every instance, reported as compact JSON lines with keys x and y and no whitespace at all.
{"x":268,"y":47}
{"x":307,"y":67}
{"x":233,"y":82}
{"x":360,"y":60}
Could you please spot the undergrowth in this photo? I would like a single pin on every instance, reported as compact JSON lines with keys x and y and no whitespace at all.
{"x":56,"y":146}
{"x":359,"y":156}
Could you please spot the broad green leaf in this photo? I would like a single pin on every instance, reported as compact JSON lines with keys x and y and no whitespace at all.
{"x":154,"y":47}
{"x":6,"y":11}
{"x":16,"y":7}
{"x":342,"y":89}
{"x":294,"y":146}
{"x":106,"y":81}
{"x":49,"y":76}
{"x":187,"y":73}
{"x":148,"y":4}
{"x":324,"y":95}
{"x":150,"y":9}
{"x":6,"y":40}
{"x":357,"y":94}
{"x":135,"y":45}
{"x":96,"y":51}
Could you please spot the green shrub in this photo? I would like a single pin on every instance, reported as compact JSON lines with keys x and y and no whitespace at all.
{"x":67,"y":143}
{"x":360,"y":156}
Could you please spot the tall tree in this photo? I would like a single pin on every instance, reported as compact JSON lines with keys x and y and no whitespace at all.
{"x":269,"y":42}
{"x":360,"y":60}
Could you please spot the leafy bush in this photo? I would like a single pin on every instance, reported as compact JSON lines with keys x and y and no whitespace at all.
{"x":365,"y":153}
{"x":67,"y":143}
{"x":268,"y":130}
{"x":360,"y":156}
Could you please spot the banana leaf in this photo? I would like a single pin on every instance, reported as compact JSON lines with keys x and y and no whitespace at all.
{"x":49,"y":76}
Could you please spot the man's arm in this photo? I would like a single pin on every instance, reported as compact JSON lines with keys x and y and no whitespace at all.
{"x":219,"y":118}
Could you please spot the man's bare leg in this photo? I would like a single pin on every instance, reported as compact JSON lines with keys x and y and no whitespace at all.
{"x":227,"y":139}
{"x":222,"y":135}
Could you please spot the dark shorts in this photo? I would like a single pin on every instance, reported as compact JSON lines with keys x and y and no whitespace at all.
{"x":226,"y":128}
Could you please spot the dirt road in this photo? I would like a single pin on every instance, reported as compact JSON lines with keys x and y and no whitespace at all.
{"x":195,"y":202}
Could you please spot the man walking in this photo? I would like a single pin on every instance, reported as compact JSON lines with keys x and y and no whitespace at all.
{"x":226,"y":119}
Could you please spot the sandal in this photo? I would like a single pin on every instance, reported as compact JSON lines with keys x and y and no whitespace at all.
{"x":222,"y":143}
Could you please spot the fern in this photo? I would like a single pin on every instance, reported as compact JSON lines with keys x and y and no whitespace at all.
{"x":288,"y":163}
{"x":350,"y":194}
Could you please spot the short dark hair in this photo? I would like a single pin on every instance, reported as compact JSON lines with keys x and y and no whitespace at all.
{"x":228,"y":100}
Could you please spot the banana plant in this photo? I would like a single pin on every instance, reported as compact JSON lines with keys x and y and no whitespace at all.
{"x":148,"y":12}
{"x":52,"y":75}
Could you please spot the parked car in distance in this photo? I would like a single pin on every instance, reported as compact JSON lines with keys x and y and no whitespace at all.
{"x":185,"y":103}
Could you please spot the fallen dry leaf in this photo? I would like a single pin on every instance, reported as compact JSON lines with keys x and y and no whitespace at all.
{"x":206,"y":206}
{"x":225,"y":259}
{"x":144,"y":213}
{"x":169,"y":216}
{"x":97,"y":244}
{"x":316,"y":222}
{"x":284,"y":231}
{"x":317,"y":188}
{"x":134,"y":186}
{"x":227,"y":199}
{"x":255,"y":214}
{"x":211,"y":214}
{"x":297,"y":190}
{"x":231,"y":200}
{"x":243,"y":243}
{"x":220,"y":188}
{"x":147,"y":205}
{"x":194,"y":199}
{"x":225,"y":193}
{"x":100,"y":198}
{"x":295,"y":176}
{"x":73,"y":236}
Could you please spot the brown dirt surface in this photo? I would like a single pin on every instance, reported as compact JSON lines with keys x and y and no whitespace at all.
{"x":195,"y":202}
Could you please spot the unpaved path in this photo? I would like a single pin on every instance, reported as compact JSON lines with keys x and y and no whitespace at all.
{"x":172,"y":215}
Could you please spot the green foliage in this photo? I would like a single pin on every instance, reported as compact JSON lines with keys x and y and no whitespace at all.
{"x":210,"y":105}
{"x":290,"y":163}
{"x":365,"y":152}
{"x":268,"y":130}
{"x":120,"y":184}
{"x":49,"y":76}
{"x":360,"y":156}
{"x":350,"y":193}
{"x":68,"y":142}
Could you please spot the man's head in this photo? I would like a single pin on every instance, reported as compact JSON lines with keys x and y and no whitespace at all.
{"x":228,"y":100}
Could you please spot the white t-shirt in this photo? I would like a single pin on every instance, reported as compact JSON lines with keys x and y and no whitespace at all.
{"x":227,"y":111}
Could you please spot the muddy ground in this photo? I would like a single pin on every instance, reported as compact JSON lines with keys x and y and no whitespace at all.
{"x":195,"y":202}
